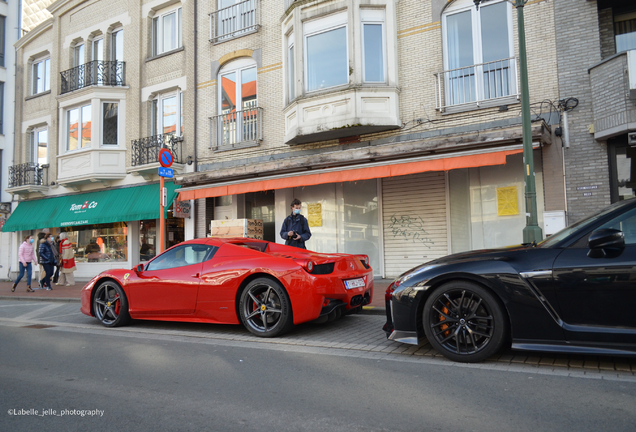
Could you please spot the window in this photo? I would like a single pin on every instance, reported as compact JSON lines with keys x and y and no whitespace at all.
{"x":100,"y":243}
{"x":373,"y":41}
{"x":167,"y":114}
{"x":40,"y":143}
{"x":238,"y":101}
{"x":78,"y":55}
{"x":41,"y":76}
{"x":625,"y":223}
{"x":98,"y":49}
{"x":291,"y":76}
{"x":326,"y":60}
{"x":109,"y":123}
{"x":117,"y":45}
{"x":97,"y":57}
{"x":78,"y":129}
{"x":166,"y":30}
{"x":181,"y":256}
{"x":1,"y":108}
{"x":625,"y":31}
{"x":478,"y":52}
{"x":3,"y":21}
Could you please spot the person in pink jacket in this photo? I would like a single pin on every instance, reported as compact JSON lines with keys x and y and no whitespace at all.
{"x":26,"y":255}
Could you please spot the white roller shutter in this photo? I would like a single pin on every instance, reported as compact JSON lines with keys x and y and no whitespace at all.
{"x":414,"y":220}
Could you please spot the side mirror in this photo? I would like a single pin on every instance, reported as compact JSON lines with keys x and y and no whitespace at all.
{"x":139,"y":268}
{"x":606,"y":238}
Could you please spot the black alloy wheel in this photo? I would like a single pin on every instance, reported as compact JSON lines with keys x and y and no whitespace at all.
{"x":110,"y":304}
{"x":265,"y":309}
{"x":464,"y":322}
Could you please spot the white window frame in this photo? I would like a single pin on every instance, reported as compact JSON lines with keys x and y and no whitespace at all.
{"x":47,"y":74}
{"x":35,"y":144}
{"x":236,"y":67}
{"x":113,"y":44}
{"x":67,"y":127}
{"x":291,"y":68}
{"x":79,"y":60}
{"x":376,"y":17}
{"x":469,"y":5}
{"x":157,"y":112}
{"x":95,"y":55}
{"x":316,"y":27}
{"x":101,"y":123}
{"x":157,"y":30}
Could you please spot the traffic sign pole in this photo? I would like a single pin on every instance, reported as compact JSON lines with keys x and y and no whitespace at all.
{"x":162,"y":217}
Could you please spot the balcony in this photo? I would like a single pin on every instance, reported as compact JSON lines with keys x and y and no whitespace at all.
{"x":28,"y":178}
{"x":341,"y":114}
{"x":477,"y":86}
{"x":144,"y":159}
{"x":234,"y":21}
{"x":613,"y":83}
{"x":96,"y":72}
{"x":91,"y":165}
{"x":237,"y":129}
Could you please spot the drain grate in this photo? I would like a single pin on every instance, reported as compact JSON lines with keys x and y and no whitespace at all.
{"x":38,"y":326}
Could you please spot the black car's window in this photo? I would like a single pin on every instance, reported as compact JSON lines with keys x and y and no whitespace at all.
{"x":626,"y":223}
{"x":182,"y":256}
{"x":580,"y":225}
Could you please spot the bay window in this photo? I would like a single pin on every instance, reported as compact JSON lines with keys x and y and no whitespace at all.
{"x":326,"y":60}
{"x":110,"y":132}
{"x":373,"y":42}
{"x":78,"y":128}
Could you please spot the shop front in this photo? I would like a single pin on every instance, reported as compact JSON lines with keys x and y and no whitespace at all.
{"x":113,"y":228}
{"x":401,"y":214}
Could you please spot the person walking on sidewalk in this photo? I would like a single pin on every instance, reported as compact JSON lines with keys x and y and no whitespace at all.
{"x":55,"y":244}
{"x":68,"y":261}
{"x":295,"y":230}
{"x":26,"y":255}
{"x":47,"y":259}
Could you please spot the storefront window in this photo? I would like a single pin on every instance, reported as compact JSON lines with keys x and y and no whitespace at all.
{"x":147,"y":239}
{"x":176,"y":234}
{"x":100,"y":243}
{"x":260,"y":205}
{"x":622,"y":169}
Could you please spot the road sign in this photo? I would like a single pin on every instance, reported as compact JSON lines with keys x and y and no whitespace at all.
{"x":166,"y":172}
{"x":165,"y":158}
{"x":164,"y":197}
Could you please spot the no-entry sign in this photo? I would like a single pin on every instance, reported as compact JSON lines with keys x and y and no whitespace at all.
{"x":165,"y":158}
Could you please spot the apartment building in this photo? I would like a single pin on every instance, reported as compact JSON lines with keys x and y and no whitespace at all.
{"x":101,"y":87}
{"x":9,"y":34}
{"x":396,"y":123}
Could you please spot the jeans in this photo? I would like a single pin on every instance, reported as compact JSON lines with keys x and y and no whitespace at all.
{"x":48,"y":268}
{"x":28,"y":271}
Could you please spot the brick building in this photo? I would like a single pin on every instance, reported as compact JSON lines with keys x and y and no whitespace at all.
{"x":397,"y":123}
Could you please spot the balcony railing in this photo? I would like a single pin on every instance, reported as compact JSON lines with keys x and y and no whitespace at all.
{"x":146,"y":150}
{"x":472,"y":85}
{"x":28,"y":174}
{"x":96,"y":72}
{"x":234,"y":21}
{"x":237,"y":127}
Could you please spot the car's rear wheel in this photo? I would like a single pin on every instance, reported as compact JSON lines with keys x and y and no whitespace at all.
{"x":464,"y":322}
{"x":110,"y":304}
{"x":265,"y":308}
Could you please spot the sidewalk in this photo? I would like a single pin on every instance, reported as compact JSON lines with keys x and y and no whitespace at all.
{"x":72,"y":293}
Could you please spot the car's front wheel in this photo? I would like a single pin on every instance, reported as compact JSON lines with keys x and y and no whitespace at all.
{"x":265,"y":308}
{"x":110,"y":304}
{"x":464,"y":322}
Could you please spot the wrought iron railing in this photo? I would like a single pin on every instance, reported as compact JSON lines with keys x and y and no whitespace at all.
{"x":28,"y":174}
{"x":235,"y":20}
{"x":237,"y":127}
{"x":146,"y":150}
{"x":96,"y":72}
{"x":476,"y":83}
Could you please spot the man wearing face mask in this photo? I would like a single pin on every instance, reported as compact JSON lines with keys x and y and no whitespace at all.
{"x":295,"y":230}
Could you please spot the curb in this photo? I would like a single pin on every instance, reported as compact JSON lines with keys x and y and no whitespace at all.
{"x":44,"y":299}
{"x":372,"y":310}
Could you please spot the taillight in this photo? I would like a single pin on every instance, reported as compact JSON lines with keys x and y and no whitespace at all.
{"x":309,"y":266}
{"x":389,"y":292}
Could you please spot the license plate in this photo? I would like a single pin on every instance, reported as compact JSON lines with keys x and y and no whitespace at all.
{"x":354,"y":283}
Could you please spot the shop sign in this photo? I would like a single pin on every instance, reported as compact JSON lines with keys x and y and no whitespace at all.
{"x":181,"y":209}
{"x":2,"y":221}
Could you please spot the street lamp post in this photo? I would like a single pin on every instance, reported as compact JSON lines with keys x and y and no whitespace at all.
{"x":532,"y":232}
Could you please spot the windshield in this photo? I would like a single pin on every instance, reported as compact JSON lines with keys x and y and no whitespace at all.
{"x":566,"y":232}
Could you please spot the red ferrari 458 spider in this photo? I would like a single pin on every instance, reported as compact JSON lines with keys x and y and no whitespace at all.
{"x":267,"y":286}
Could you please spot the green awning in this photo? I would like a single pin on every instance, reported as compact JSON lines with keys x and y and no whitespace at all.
{"x":104,"y":206}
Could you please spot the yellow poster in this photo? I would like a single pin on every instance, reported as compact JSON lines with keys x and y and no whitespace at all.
{"x":315,"y":214}
{"x":507,"y":203}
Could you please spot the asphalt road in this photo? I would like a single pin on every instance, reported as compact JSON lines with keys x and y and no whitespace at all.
{"x":168,"y":376}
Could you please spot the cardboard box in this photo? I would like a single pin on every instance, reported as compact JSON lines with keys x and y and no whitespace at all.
{"x":248,"y":228}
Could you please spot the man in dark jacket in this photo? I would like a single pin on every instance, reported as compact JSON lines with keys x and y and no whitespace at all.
{"x":295,"y":230}
{"x":47,"y":259}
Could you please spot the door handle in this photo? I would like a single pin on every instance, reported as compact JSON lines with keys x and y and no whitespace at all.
{"x":196,"y":275}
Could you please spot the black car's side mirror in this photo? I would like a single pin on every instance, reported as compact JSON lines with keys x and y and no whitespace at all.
{"x":139,"y":268}
{"x":606,"y":238}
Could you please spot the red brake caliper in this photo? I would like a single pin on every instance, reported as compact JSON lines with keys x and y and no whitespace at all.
{"x":117,"y":305}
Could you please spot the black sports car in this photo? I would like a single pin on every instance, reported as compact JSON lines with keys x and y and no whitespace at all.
{"x":574,"y":292}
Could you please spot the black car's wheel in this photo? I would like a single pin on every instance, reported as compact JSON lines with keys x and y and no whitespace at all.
{"x":265,"y":308}
{"x":464,"y":322}
{"x":110,"y":304}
